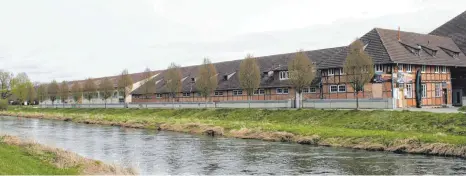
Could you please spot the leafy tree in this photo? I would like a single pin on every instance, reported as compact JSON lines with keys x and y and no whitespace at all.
{"x":106,"y":88}
{"x":64,"y":92}
{"x":301,"y":72}
{"x":249,"y":76}
{"x":89,"y":89}
{"x":207,"y":79}
{"x":42,"y":93}
{"x":53,"y":90}
{"x":19,"y":86}
{"x":5,"y":84}
{"x":146,"y":83}
{"x":77,"y":91}
{"x":358,"y":68}
{"x":125,"y":83}
{"x":173,"y":80}
{"x":32,"y":95}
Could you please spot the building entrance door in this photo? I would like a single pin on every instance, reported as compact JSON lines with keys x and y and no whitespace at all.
{"x":457,"y":96}
{"x":445,"y":97}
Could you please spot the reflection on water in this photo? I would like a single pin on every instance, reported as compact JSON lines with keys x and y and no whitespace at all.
{"x":177,"y":153}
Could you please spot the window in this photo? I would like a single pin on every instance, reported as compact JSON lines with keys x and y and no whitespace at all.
{"x":456,"y":55}
{"x":283,"y":75}
{"x":333,"y":88}
{"x":444,"y":69}
{"x":437,"y":90}
{"x":409,"y":68}
{"x":400,"y":68}
{"x":186,"y":94}
{"x":237,"y":92}
{"x":115,"y":94}
{"x":437,"y":69}
{"x":331,"y":71}
{"x":423,"y":69}
{"x":424,"y":90}
{"x":341,"y":71}
{"x":378,"y":68}
{"x":259,"y":92}
{"x":158,"y":95}
{"x":309,"y":90}
{"x":218,"y":93}
{"x":341,"y":88}
{"x":409,"y":91}
{"x":282,"y":91}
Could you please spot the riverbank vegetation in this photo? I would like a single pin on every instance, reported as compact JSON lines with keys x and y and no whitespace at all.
{"x":18,"y":157}
{"x":397,"y":131}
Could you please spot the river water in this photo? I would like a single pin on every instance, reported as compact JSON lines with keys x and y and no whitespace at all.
{"x":153,"y":152}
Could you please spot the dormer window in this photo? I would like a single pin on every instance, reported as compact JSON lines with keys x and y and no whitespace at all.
{"x":456,"y":55}
{"x":193,"y":79}
{"x":225,"y":77}
{"x":434,"y":53}
{"x":331,"y":71}
{"x":283,"y":75}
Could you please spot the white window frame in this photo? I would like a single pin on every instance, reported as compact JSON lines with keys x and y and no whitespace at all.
{"x":400,"y":67}
{"x":409,"y":68}
{"x":218,"y":93}
{"x":444,"y":69}
{"x":330,"y":88}
{"x":259,"y":92}
{"x":158,"y":95}
{"x":283,"y":75}
{"x":331,"y":71}
{"x":186,"y":94}
{"x":237,"y":92}
{"x":409,"y":91}
{"x":423,"y":68}
{"x":424,"y":90}
{"x":437,"y":69}
{"x":438,"y":90}
{"x":282,"y":91}
{"x":341,"y":71}
{"x":378,"y":68}
{"x":342,"y":85}
{"x":310,"y":90}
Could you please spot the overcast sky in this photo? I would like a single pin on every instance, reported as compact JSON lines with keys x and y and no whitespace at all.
{"x":76,"y":39}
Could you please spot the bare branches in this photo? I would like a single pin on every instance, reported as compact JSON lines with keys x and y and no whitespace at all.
{"x":207,"y":79}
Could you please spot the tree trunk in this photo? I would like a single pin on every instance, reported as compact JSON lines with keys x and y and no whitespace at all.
{"x":206,"y":102}
{"x":105,"y":103}
{"x":249,"y":101}
{"x":357,"y":100}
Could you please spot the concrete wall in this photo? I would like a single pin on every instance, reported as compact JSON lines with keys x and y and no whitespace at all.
{"x":385,"y":103}
{"x":276,"y":104}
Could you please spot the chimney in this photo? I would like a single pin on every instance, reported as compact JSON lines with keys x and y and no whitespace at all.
{"x":399,"y":38}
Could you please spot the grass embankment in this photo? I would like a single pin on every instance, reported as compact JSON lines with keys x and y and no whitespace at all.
{"x":18,"y":157}
{"x":397,"y":131}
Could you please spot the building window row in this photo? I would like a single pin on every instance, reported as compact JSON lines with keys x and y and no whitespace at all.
{"x":337,"y":88}
{"x":310,"y":90}
{"x":282,"y":90}
{"x":237,"y":92}
{"x":218,"y":93}
{"x":259,"y":92}
{"x":283,"y":75}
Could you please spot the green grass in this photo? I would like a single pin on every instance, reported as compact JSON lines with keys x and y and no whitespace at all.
{"x":16,"y":161}
{"x":462,"y":108}
{"x":374,"y":126}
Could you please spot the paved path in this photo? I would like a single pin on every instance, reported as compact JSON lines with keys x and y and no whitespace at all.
{"x":436,"y":110}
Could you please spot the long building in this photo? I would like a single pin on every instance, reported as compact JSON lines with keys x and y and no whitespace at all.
{"x":396,"y":54}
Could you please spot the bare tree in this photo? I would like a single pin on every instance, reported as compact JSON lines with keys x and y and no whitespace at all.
{"x":77,"y":91}
{"x":146,"y":84}
{"x":358,"y":68}
{"x":173,"y":81}
{"x":53,"y":90}
{"x":42,"y":93}
{"x":5,"y":84}
{"x":249,"y":76}
{"x":125,"y":84}
{"x":207,"y":79}
{"x":64,"y":92}
{"x":89,"y":90}
{"x":301,"y":72}
{"x":32,"y":95}
{"x":106,"y":88}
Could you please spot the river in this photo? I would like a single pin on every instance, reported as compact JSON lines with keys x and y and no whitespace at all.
{"x":153,"y":152}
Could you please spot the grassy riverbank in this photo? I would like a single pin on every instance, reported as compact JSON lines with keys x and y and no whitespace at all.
{"x":18,"y":157}
{"x":397,"y":131}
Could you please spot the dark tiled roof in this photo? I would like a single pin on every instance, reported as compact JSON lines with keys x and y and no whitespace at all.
{"x":401,"y":51}
{"x":455,"y":29}
{"x":324,"y":58}
{"x":375,"y":47}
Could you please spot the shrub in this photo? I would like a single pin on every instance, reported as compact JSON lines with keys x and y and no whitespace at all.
{"x":3,"y":104}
